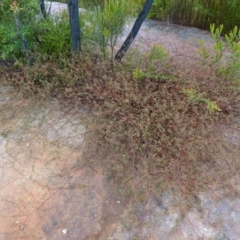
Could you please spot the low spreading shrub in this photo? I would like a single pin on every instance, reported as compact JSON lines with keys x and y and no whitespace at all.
{"x":149,"y":129}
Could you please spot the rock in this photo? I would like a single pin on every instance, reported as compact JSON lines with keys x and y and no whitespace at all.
{"x":54,"y":8}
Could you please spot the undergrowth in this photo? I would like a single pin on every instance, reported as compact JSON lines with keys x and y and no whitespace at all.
{"x":148,"y":129}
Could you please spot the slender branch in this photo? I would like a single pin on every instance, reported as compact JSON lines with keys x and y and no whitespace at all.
{"x":137,"y":25}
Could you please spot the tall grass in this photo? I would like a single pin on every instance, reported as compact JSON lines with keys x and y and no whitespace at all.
{"x":198,"y":13}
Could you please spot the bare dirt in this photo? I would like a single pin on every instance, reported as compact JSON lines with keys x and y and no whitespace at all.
{"x":47,"y":190}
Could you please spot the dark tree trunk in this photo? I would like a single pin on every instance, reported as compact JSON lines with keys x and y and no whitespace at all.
{"x":74,"y":25}
{"x":43,"y":9}
{"x":137,"y":25}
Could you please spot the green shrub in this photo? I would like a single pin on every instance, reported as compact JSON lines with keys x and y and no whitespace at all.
{"x":106,"y":24}
{"x":11,"y":38}
{"x":52,"y":36}
{"x":152,"y":64}
{"x":227,"y":67}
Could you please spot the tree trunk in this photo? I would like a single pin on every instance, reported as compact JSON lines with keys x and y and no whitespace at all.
{"x":137,"y":25}
{"x":43,"y":9}
{"x":74,"y":25}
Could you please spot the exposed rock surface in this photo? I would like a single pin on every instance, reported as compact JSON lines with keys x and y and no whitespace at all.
{"x":47,"y":191}
{"x":55,"y":8}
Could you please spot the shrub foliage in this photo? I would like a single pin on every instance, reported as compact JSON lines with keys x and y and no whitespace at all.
{"x":149,"y":129}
